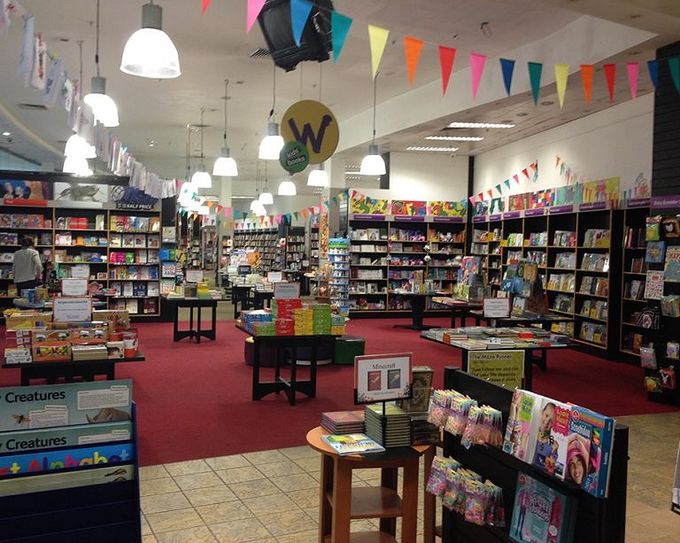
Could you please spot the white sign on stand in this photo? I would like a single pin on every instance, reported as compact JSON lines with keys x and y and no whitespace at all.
{"x":274,"y":277}
{"x":74,"y":287}
{"x":496,"y":308}
{"x":286,"y":291}
{"x":72,"y":309}
{"x":194,"y":276}
{"x":382,"y":377}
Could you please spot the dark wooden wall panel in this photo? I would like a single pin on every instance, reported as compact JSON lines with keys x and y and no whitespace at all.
{"x":666,"y":153}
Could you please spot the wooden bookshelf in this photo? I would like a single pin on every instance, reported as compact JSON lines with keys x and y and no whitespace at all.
{"x":263,"y":240}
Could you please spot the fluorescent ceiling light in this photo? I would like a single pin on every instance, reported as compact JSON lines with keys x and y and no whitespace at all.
{"x":6,"y":134}
{"x":455,"y":138}
{"x":149,"y":52}
{"x":432,"y":149}
{"x":457,"y":124}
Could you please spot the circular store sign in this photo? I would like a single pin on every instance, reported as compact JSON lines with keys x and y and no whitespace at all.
{"x":313,"y":125}
{"x":294,"y":157}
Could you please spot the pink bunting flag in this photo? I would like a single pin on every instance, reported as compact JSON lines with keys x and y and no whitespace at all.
{"x":516,"y":178}
{"x":633,"y":69}
{"x":477,"y":62}
{"x":204,"y":5}
{"x":525,"y":171}
{"x":472,"y":199}
{"x":253,"y":10}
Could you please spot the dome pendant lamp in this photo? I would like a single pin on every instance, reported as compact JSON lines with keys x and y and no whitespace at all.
{"x":201,"y":178}
{"x":149,"y":52}
{"x":266,"y":198}
{"x":318,"y":177}
{"x":272,"y":143}
{"x":225,"y":165}
{"x":287,"y":188}
{"x":373,"y":163}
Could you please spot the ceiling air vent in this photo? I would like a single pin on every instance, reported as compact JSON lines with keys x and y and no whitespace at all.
{"x":260,"y":53}
{"x":34,"y":107}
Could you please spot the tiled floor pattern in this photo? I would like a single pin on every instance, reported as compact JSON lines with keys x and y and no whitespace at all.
{"x":272,"y":496}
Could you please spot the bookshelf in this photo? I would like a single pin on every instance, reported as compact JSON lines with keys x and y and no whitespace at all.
{"x":369,"y":246}
{"x":314,"y":241}
{"x":295,"y":247}
{"x":339,"y":282}
{"x":103,"y":244}
{"x":263,"y":241}
{"x":446,"y":243}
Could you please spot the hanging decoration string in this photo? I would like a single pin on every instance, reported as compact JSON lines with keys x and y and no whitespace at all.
{"x":375,"y":93}
{"x":271,"y":112}
{"x":96,"y":50}
{"x":226,"y":101}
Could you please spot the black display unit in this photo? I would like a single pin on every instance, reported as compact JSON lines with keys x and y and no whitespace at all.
{"x":598,"y":520}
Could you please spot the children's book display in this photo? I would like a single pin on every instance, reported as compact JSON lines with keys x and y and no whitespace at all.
{"x":68,"y":460}
{"x":485,"y":337}
{"x":470,"y":285}
{"x":525,"y":285}
{"x":345,"y":444}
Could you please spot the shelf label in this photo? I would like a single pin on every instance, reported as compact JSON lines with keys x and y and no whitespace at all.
{"x":447,"y":219}
{"x":511,"y":215}
{"x":592,"y":206}
{"x":638,"y":202}
{"x":660,"y":202}
{"x":496,"y":217}
{"x":367,"y":217}
{"x":409,"y":218}
{"x":503,"y":367}
{"x":480,"y":218}
{"x":538,"y":212}
{"x":559,"y":210}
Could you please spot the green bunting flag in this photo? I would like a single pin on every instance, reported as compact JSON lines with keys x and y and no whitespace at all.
{"x":535,"y":70}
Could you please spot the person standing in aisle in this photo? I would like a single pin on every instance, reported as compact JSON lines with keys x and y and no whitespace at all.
{"x":26,"y":268}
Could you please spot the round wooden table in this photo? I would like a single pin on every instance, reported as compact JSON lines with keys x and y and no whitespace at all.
{"x":339,"y":503}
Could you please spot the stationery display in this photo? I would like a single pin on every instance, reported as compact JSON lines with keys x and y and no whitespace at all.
{"x":292,"y":317}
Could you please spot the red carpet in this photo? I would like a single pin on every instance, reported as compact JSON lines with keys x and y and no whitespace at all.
{"x":194,"y":400}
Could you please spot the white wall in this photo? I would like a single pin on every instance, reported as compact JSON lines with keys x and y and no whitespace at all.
{"x":615,"y":142}
{"x":423,"y":176}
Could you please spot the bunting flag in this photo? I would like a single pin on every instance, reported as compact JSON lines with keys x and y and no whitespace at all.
{"x":305,"y":213}
{"x":525,"y":171}
{"x":299,"y":14}
{"x":633,"y":70}
{"x":339,"y":30}
{"x":507,"y":67}
{"x":498,"y":188}
{"x":534,"y":166}
{"x":412,"y":48}
{"x":480,"y":197}
{"x":674,"y":67}
{"x":561,"y":76}
{"x":653,"y":69}
{"x":490,"y":193}
{"x":516,"y":178}
{"x":477,"y":62}
{"x":447,"y":56}
{"x":557,"y":161}
{"x":253,"y":10}
{"x":472,"y":199}
{"x":587,"y":71}
{"x":377,"y":38}
{"x":535,"y":71}
{"x":610,"y":75}
{"x":204,"y":6}
{"x":507,"y":183}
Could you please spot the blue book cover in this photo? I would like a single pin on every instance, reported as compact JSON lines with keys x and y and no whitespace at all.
{"x":655,"y":252}
{"x":596,"y":454}
{"x":540,"y":513}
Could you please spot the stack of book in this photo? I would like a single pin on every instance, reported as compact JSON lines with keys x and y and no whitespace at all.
{"x":391,"y":429}
{"x":343,"y":422}
{"x":89,"y":352}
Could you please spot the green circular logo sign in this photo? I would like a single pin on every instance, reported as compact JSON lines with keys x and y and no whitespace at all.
{"x":294,"y":157}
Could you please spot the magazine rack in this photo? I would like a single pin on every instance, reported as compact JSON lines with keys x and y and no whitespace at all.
{"x":598,"y":520}
{"x":105,"y":513}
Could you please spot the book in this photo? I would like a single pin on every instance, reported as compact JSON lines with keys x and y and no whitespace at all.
{"x":343,"y":422}
{"x":352,"y":444}
{"x":671,"y":270}
{"x":591,"y":443}
{"x":550,"y":453}
{"x":541,"y":513}
{"x":520,"y":433}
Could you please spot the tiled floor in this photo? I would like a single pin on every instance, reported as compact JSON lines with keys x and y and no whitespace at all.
{"x":272,"y":496}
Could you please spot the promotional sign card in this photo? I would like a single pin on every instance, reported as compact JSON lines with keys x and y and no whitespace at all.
{"x":48,"y":406}
{"x":382,"y":377}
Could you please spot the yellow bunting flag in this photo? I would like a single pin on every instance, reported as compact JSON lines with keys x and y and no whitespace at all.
{"x":377,"y":37}
{"x":412,"y":48}
{"x":561,"y":76}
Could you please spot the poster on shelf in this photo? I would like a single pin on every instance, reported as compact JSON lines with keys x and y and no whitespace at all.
{"x":496,"y":308}
{"x":74,"y":287}
{"x":286,"y":291}
{"x":440,"y":208}
{"x":517,"y":202}
{"x":194,"y":276}
{"x":126,"y":197}
{"x":19,"y":189}
{"x":654,"y":285}
{"x":71,"y":309}
{"x":481,"y":208}
{"x":411,"y":208}
{"x":502,"y":367}
{"x":603,"y":190}
{"x":568,"y":194}
{"x":497,"y":206}
{"x":382,"y":377}
{"x":369,"y":206}
{"x":540,"y":199}
{"x":49,"y":406}
{"x":80,"y":192}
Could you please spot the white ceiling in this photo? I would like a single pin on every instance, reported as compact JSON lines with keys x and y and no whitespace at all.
{"x":215,"y":46}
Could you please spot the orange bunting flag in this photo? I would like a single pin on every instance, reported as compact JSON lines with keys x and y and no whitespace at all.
{"x":412,"y":48}
{"x":490,"y":193}
{"x":480,"y":196}
{"x":204,"y":5}
{"x":610,"y":75}
{"x":447,"y":56}
{"x":534,"y":166}
{"x":587,"y":71}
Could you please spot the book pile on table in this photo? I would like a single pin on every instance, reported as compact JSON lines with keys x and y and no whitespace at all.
{"x":483,"y":337}
{"x":422,"y":431}
{"x":343,"y":422}
{"x":393,"y":429}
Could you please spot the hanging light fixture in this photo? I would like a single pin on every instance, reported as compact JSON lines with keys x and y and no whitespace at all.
{"x":201,"y":178}
{"x":76,"y":165}
{"x":373,"y":163}
{"x":103,"y":107}
{"x":271,"y":144}
{"x":76,"y":145}
{"x":318,"y":177}
{"x":266,"y":198}
{"x":149,"y":52}
{"x":225,"y":165}
{"x":287,"y":188}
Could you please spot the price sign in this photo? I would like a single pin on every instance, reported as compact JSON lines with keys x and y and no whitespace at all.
{"x":194,"y":276}
{"x":244,"y":269}
{"x":72,"y":309}
{"x":496,"y":308}
{"x":286,"y":291}
{"x":382,"y":377}
{"x":505,"y":368}
{"x":74,"y":287}
{"x":274,"y":277}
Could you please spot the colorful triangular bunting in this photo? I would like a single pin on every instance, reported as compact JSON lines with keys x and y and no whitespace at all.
{"x":204,"y":5}
{"x":377,"y":38}
{"x":412,"y":48}
{"x":299,"y":14}
{"x":561,"y":76}
{"x":610,"y":76}
{"x":507,"y":67}
{"x":535,"y":71}
{"x":653,"y":69}
{"x":587,"y":71}
{"x":339,"y":29}
{"x":633,"y":71}
{"x":477,"y":62}
{"x":674,"y":68}
{"x":253,"y":10}
{"x":447,"y":56}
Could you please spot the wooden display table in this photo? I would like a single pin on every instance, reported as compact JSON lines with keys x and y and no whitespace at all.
{"x":458,"y":308}
{"x":418,"y":303}
{"x":339,"y":503}
{"x":69,"y":370}
{"x":191,"y":303}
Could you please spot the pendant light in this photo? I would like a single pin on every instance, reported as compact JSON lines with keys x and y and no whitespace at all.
{"x":103,"y":107}
{"x":225,"y":165}
{"x":76,"y":145}
{"x":201,"y":178}
{"x":272,"y":143}
{"x":76,"y":165}
{"x":266,"y":198}
{"x":318,"y":177}
{"x":373,"y":163}
{"x":149,"y":52}
{"x":287,"y":188}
